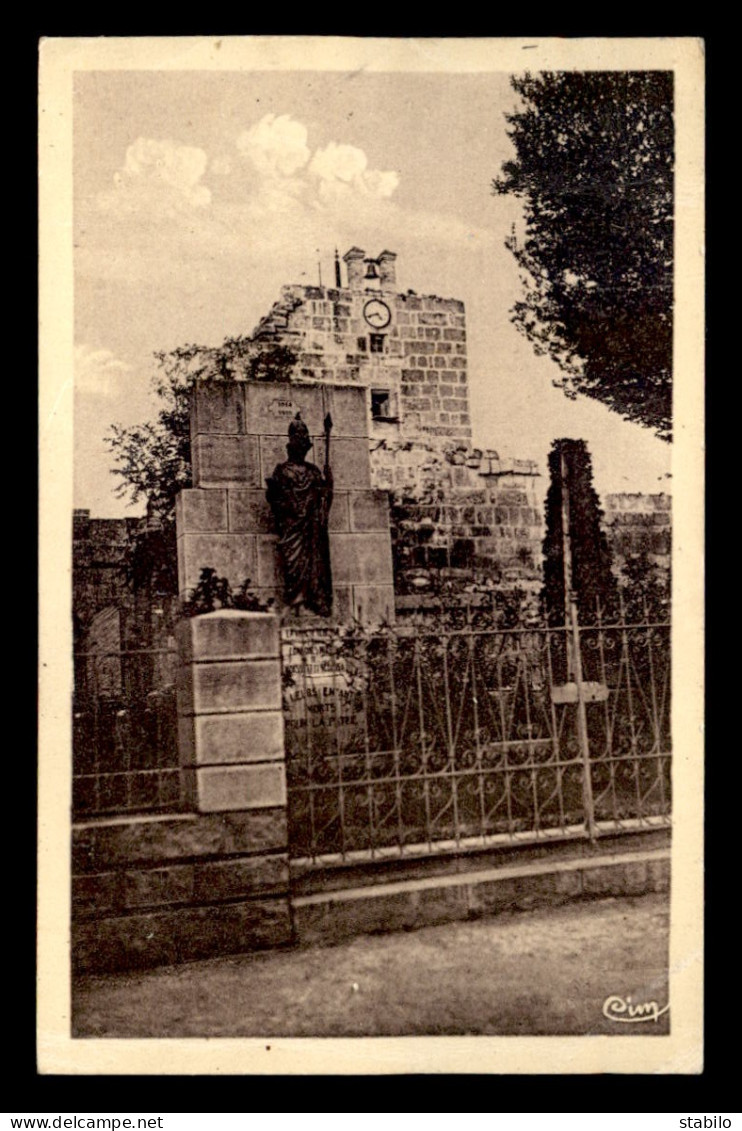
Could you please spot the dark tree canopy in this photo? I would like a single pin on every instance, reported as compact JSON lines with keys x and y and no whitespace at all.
{"x":592,"y":578}
{"x":594,"y":169}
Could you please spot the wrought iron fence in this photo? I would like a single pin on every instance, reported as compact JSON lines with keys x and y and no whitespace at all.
{"x":419,"y":740}
{"x":125,"y":732}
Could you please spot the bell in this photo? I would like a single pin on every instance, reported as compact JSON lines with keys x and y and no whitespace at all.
{"x":371,"y":270}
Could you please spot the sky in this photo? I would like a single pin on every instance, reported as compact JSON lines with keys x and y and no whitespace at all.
{"x":197,"y":195}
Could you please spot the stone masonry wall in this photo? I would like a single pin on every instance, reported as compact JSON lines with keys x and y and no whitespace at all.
{"x":637,"y":524}
{"x":422,"y":361}
{"x":99,"y":547}
{"x":163,"y":889}
{"x":466,"y":513}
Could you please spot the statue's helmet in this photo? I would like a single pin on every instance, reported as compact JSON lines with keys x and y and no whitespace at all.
{"x":299,"y":434}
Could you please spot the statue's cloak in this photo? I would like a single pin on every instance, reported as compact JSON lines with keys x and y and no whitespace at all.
{"x":300,"y":499}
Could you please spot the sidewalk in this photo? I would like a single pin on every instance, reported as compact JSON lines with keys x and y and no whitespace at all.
{"x":538,"y":972}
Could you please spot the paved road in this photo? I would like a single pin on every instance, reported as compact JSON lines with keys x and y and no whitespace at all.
{"x":539,"y":972}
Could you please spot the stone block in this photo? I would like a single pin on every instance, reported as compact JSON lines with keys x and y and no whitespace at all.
{"x":249,"y":512}
{"x":493,"y":895}
{"x":273,"y":452}
{"x":616,"y":879}
{"x":523,"y":891}
{"x":228,"y":879}
{"x":232,"y":556}
{"x":217,"y":789}
{"x":96,"y":895}
{"x":270,"y":408}
{"x":440,"y":903}
{"x":339,"y":520}
{"x":228,"y":634}
{"x":112,"y":945}
{"x":233,"y":928}
{"x":369,"y":510}
{"x":342,"y":603}
{"x":122,"y":843}
{"x":229,"y":687}
{"x":347,"y":406}
{"x":270,"y":572}
{"x":361,"y":559}
{"x":330,"y":922}
{"x":658,"y":875}
{"x":198,"y":510}
{"x":373,"y":604}
{"x":225,"y":461}
{"x":151,"y":887}
{"x":182,"y":935}
{"x":349,"y":459}
{"x":568,"y":884}
{"x":218,"y":407}
{"x":252,"y":736}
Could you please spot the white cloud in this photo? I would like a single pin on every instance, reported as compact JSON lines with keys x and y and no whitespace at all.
{"x":158,"y":175}
{"x":342,"y":171}
{"x":380,"y":184}
{"x":220,"y":166}
{"x":343,"y":162}
{"x":275,"y":145}
{"x":276,"y":203}
{"x":99,"y":373}
{"x":291,"y":178}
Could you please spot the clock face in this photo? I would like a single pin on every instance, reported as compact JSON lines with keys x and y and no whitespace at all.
{"x":377,"y":313}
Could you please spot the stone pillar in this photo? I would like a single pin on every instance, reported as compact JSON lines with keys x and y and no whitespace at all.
{"x":229,"y":709}
{"x":354,"y":261}
{"x":388,"y":270}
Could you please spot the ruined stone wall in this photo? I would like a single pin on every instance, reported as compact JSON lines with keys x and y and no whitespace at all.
{"x":464,"y":515}
{"x":636,"y":524}
{"x":99,"y":547}
{"x":421,"y":361}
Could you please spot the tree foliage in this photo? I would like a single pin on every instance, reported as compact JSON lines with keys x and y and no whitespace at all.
{"x":646,"y":589}
{"x":153,"y":460}
{"x":594,"y":170}
{"x":592,"y":578}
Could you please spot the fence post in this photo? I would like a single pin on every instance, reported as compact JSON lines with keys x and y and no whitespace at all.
{"x":231,"y":741}
{"x":230,"y":717}
{"x":587,"y":785}
{"x":574,"y":653}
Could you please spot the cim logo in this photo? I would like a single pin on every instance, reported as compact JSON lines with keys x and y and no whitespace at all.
{"x":623,"y":1009}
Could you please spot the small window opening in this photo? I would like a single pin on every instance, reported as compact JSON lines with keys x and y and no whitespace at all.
{"x":376,"y":343}
{"x":382,"y":405}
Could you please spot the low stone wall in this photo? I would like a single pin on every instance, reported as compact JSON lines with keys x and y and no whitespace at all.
{"x":148,"y":891}
{"x":325,"y":918}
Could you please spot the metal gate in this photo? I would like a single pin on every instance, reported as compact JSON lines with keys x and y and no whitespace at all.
{"x":410,"y":741}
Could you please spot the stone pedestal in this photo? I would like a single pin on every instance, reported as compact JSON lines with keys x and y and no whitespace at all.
{"x":238,"y":435}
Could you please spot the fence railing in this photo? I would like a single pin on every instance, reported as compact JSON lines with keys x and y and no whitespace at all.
{"x":413,"y":739}
{"x":125,"y":732}
{"x":419,"y":740}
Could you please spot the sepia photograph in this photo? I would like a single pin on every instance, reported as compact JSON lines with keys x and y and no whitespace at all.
{"x":372,"y":390}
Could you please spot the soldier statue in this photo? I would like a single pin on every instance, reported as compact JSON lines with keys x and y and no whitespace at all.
{"x":300,"y":496}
